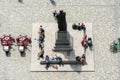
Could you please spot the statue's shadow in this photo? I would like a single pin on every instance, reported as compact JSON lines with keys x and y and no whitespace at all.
{"x":71,"y":56}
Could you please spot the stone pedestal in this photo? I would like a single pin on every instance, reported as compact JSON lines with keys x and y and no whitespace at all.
{"x":63,"y":42}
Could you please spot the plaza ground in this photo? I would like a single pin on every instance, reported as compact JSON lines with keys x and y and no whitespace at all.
{"x":17,"y":18}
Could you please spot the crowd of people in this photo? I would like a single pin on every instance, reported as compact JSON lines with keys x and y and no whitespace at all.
{"x":48,"y":61}
{"x":41,"y":42}
{"x":82,"y":59}
{"x":41,"y":52}
{"x":86,"y":41}
{"x":47,"y":58}
{"x":79,"y":27}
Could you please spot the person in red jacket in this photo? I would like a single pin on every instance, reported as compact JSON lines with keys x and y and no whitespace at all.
{"x":85,"y":37}
{"x":84,"y":42}
{"x":11,"y":38}
{"x":23,"y":40}
{"x":8,"y":43}
{"x":7,"y":40}
{"x":18,"y":39}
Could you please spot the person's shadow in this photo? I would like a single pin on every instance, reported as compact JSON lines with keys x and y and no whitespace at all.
{"x":53,"y":2}
{"x":21,"y":1}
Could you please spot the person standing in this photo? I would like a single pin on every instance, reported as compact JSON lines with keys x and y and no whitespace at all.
{"x":83,"y":59}
{"x":54,"y":13}
{"x":41,"y":54}
{"x":47,"y":61}
{"x":41,"y":30}
{"x":83,"y":28}
{"x":59,"y":60}
{"x":78,"y":58}
{"x":74,"y":26}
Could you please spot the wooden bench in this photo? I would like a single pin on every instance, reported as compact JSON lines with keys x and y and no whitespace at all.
{"x":64,"y":62}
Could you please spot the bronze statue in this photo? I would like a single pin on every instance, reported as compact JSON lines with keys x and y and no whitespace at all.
{"x":61,"y":20}
{"x":63,"y":42}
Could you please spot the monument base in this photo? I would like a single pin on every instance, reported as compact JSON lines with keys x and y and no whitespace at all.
{"x":63,"y":42}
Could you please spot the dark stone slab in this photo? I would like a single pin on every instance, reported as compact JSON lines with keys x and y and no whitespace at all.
{"x":64,"y":62}
{"x":62,"y":41}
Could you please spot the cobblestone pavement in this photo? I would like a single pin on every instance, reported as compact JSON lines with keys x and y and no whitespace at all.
{"x":17,"y":18}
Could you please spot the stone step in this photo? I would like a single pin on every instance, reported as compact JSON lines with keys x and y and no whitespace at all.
{"x":62,"y":49}
{"x":64,"y":62}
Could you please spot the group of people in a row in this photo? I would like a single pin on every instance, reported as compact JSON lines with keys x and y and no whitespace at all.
{"x":41,"y":50}
{"x":82,"y":59}
{"x":79,"y":27}
{"x":41,"y":42}
{"x":86,"y":41}
{"x":53,"y":58}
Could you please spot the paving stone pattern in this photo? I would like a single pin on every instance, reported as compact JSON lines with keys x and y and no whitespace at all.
{"x":17,"y":18}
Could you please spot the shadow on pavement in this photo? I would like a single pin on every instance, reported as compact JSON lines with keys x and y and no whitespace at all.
{"x":53,"y":2}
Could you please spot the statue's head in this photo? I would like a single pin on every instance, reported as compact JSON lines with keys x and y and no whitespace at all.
{"x":61,"y":11}
{"x":41,"y":26}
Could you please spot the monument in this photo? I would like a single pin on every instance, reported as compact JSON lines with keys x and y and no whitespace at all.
{"x":63,"y":40}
